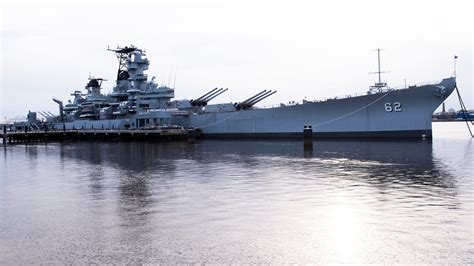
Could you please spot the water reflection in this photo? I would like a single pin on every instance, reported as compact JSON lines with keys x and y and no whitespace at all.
{"x":239,"y":201}
{"x":376,"y":161}
{"x":385,"y":165}
{"x":131,"y":167}
{"x":132,"y":156}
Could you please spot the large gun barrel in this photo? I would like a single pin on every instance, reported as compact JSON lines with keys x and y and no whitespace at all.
{"x":253,"y":100}
{"x":206,"y":99}
{"x":46,"y":114}
{"x":253,"y":97}
{"x":261,"y":97}
{"x":200,"y":98}
{"x":42,"y":114}
{"x":203,"y":100}
{"x":217,"y":94}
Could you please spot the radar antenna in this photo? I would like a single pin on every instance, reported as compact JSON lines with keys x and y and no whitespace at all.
{"x":122,"y":54}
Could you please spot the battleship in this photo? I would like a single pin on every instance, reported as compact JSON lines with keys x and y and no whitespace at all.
{"x":137,"y":102}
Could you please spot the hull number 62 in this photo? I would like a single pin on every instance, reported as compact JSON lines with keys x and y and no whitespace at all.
{"x":396,"y":106}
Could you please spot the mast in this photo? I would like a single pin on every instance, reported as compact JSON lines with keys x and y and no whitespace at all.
{"x":454,"y":61}
{"x":122,"y":55}
{"x":378,"y":55}
{"x":378,"y":86}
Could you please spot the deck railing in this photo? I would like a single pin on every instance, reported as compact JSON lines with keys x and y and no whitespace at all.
{"x":356,"y":94}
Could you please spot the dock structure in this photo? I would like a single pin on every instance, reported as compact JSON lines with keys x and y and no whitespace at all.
{"x":157,"y":135}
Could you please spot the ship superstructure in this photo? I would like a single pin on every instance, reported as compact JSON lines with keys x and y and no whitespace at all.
{"x":133,"y":96}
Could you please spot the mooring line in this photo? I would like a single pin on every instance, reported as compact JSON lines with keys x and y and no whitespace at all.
{"x":464,"y":111}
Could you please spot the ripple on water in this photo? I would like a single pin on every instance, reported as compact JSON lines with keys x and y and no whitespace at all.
{"x":237,"y":202}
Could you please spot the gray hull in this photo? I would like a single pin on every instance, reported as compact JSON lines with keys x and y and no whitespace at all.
{"x":396,"y":113}
{"x":139,"y":104}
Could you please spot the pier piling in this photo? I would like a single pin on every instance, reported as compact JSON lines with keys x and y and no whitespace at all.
{"x":308,"y":137}
{"x":160,"y":135}
{"x":191,"y":133}
{"x":4,"y":135}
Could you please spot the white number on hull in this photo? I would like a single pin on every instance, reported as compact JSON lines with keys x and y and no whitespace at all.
{"x":396,"y":106}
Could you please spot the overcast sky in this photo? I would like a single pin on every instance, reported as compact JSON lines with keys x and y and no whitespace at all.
{"x":313,"y":49}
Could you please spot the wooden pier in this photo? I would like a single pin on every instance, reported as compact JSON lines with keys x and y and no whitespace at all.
{"x":158,"y":135}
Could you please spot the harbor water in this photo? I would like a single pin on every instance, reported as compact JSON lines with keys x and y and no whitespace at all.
{"x":240,"y":201}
